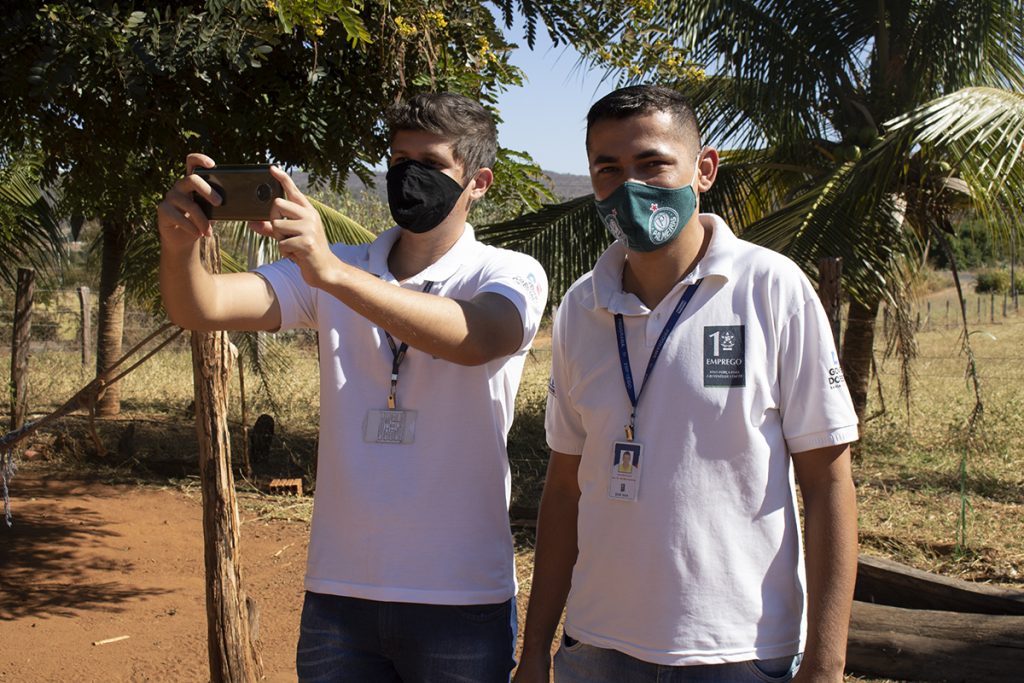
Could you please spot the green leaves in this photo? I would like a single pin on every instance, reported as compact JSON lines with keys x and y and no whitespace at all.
{"x":311,"y":16}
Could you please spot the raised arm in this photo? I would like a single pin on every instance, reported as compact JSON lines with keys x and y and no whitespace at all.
{"x":830,"y":510}
{"x":195,"y":299}
{"x":552,"y":566}
{"x":469,"y":332}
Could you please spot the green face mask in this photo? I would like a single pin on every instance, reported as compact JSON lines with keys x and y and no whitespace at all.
{"x":645,"y":217}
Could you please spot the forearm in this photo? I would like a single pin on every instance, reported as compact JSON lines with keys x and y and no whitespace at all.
{"x":831,"y":551}
{"x":464,"y":332}
{"x":554,"y":559}
{"x":197,"y":300}
{"x":187,"y":288}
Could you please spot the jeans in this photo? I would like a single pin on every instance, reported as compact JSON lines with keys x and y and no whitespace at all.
{"x":576,"y":662}
{"x":365,"y":641}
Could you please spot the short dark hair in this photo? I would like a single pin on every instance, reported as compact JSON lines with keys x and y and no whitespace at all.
{"x":636,"y":100}
{"x":470,"y":127}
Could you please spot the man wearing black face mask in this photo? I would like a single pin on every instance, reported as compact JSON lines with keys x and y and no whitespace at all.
{"x":692,"y":375}
{"x":423,"y":334}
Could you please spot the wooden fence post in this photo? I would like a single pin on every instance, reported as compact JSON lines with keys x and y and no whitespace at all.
{"x":20,"y":341}
{"x":830,"y":272}
{"x":85,"y":325}
{"x":230,"y":614}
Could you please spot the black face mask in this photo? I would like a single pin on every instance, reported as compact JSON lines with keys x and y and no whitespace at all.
{"x":420,"y":197}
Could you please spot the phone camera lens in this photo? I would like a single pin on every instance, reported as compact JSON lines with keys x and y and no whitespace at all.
{"x":263,"y":192}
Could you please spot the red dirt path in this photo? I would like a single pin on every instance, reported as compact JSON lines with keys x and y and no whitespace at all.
{"x":87,"y":561}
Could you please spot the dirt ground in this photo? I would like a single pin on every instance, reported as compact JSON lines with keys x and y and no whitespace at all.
{"x":86,"y":562}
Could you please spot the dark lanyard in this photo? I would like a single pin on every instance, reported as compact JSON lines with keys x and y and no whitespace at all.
{"x":397,"y":356}
{"x":627,"y":373}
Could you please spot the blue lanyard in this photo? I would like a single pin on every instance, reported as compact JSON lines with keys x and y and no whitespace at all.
{"x":627,"y":373}
{"x":397,"y":356}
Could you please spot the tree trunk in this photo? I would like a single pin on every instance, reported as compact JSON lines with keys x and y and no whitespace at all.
{"x":21,"y":340}
{"x":110,"y":320}
{"x":858,"y":344}
{"x":231,"y":635}
{"x":830,"y":291}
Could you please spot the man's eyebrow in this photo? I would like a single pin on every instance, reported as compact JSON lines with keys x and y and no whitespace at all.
{"x":645,"y":154}
{"x":652,"y":152}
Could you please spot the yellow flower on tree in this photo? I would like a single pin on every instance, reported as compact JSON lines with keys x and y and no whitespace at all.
{"x":405,"y":27}
{"x":436,"y":17}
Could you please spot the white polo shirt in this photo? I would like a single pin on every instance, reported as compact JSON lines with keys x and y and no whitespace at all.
{"x":705,"y":565}
{"x":427,"y":521}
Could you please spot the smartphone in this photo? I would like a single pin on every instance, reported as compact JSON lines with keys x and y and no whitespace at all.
{"x":246,"y":192}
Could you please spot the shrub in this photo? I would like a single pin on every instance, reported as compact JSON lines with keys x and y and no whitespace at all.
{"x":992,"y":281}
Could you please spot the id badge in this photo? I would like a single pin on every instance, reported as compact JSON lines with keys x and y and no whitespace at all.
{"x":625,"y":480}
{"x":389,"y":426}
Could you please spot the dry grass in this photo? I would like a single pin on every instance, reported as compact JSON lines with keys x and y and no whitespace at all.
{"x":909,"y":486}
{"x":908,"y":472}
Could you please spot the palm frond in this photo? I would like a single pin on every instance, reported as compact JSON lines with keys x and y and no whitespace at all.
{"x":979,"y":132}
{"x":266,"y":357}
{"x":33,"y":236}
{"x":257,"y":250}
{"x":565,"y":238}
{"x":853,"y":212}
{"x":339,"y":228}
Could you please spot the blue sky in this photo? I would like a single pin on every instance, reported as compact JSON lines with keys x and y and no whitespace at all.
{"x":547,"y":116}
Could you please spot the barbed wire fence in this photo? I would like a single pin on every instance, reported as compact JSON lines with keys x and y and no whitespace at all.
{"x":60,"y":324}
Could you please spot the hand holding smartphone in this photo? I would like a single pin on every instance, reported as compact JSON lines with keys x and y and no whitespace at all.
{"x":247,"y":192}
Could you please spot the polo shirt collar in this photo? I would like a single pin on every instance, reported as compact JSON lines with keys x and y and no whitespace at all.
{"x":439,"y":271}
{"x":718,"y":261}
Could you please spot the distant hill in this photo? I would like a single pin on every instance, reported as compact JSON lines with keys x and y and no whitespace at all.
{"x":564,"y":185}
{"x":569,"y":186}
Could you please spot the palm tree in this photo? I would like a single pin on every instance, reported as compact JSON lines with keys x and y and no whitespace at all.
{"x":857,"y":128}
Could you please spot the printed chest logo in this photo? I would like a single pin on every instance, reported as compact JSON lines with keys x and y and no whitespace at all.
{"x":724,"y":356}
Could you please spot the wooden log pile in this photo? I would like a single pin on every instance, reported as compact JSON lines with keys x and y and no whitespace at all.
{"x":916,"y":626}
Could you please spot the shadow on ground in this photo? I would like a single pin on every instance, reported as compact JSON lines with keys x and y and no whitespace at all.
{"x":41,"y":556}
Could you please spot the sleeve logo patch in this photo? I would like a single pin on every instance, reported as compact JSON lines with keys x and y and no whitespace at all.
{"x":835,"y":374}
{"x":533,"y":288}
{"x":724,"y":356}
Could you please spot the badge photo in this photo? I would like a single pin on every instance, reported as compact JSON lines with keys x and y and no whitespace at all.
{"x":625,"y":474}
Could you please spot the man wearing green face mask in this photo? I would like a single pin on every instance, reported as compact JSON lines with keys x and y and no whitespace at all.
{"x":693,"y":374}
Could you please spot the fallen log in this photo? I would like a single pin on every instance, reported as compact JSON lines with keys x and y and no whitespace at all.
{"x":889,"y":583}
{"x":932,"y":645}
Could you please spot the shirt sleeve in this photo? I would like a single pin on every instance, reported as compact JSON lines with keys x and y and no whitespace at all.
{"x":296,"y":299}
{"x":815,"y":404}
{"x":562,"y":422}
{"x":520,"y":279}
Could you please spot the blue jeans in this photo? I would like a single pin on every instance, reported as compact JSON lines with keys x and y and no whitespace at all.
{"x":365,"y":641}
{"x":579,"y":663}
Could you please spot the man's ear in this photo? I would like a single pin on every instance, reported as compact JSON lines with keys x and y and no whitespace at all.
{"x":481,"y":182}
{"x":708,"y":169}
